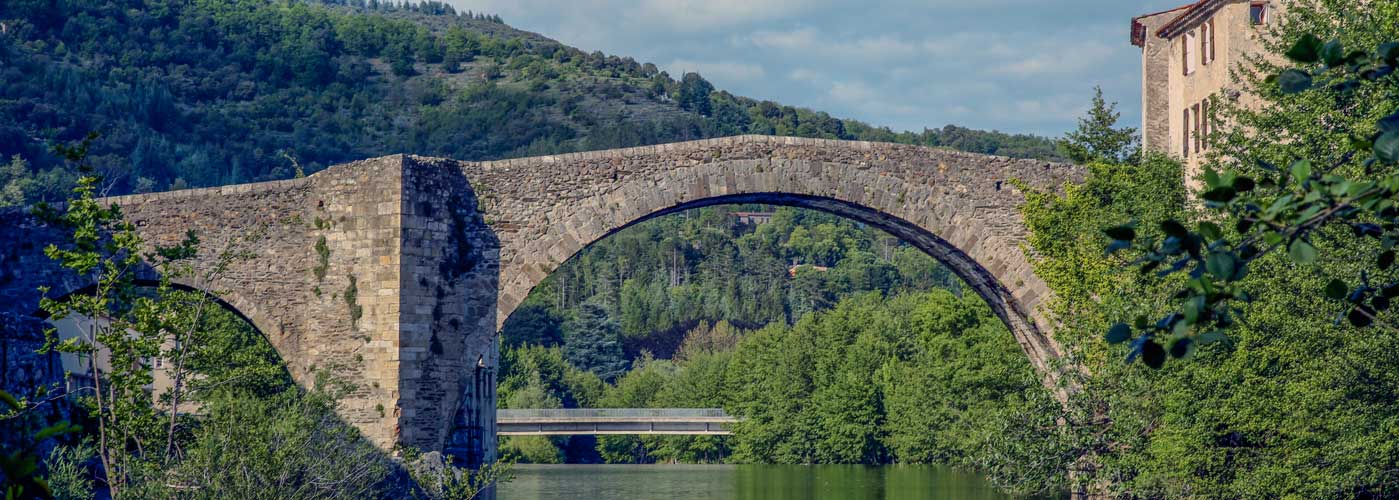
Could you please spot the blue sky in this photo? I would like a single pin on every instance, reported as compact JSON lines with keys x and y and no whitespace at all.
{"x":1010,"y":65}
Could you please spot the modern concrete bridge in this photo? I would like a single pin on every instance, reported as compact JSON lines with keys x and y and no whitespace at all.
{"x":668,"y":421}
{"x":395,"y":274}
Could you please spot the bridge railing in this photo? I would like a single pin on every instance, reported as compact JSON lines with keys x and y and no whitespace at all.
{"x":611,"y":413}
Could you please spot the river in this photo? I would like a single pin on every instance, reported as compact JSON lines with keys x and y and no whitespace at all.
{"x":749,"y":482}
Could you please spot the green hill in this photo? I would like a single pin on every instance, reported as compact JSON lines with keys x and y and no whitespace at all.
{"x":210,"y":92}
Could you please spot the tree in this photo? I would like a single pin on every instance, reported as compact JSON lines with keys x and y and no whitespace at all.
{"x":591,"y":343}
{"x":1097,"y":139}
{"x":105,"y":251}
{"x":21,"y":444}
{"x":532,"y":324}
{"x":1290,"y":402}
{"x":637,"y":389}
{"x":289,"y":446}
{"x":532,"y":449}
{"x":694,"y":94}
{"x":14,"y":182}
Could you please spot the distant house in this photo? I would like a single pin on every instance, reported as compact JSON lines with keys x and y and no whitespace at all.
{"x":1187,"y":53}
{"x":752,"y":218}
{"x":79,"y":369}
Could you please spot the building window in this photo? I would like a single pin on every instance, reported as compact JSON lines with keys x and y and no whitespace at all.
{"x":1185,"y":134}
{"x":1205,"y":125}
{"x":1196,"y":126}
{"x":1258,"y":13}
{"x":1190,"y":59}
{"x":1207,"y":42}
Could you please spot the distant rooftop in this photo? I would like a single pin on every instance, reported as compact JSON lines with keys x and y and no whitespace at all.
{"x":1183,"y":12}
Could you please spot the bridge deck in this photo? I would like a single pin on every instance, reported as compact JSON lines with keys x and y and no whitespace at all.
{"x":673,"y":421}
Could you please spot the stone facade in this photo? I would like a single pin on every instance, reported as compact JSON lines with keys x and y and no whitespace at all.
{"x":440,"y":252}
{"x":1187,"y":55}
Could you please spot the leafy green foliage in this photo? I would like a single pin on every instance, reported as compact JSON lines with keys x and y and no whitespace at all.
{"x":19,"y":448}
{"x":1287,"y":210}
{"x":917,"y":378}
{"x":438,"y":479}
{"x":68,"y":476}
{"x":288,"y":445}
{"x":105,"y":251}
{"x":1289,"y":404}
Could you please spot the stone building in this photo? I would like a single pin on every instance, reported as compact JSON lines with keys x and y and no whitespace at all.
{"x":1187,"y":53}
{"x":80,"y":371}
{"x":752,"y":218}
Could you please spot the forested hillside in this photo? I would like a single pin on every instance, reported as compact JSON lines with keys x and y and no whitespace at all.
{"x":206,"y":92}
{"x":658,"y":279}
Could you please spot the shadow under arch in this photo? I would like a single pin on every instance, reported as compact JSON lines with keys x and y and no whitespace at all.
{"x":147,"y":282}
{"x":1002,"y":301}
{"x":232,"y":301}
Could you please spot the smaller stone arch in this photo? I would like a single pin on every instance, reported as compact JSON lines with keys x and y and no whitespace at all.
{"x":320,"y":279}
{"x":231,"y":301}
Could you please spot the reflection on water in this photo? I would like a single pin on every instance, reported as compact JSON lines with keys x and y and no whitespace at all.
{"x":747,"y":482}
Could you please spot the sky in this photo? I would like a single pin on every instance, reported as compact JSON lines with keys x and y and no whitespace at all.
{"x":1011,"y":65}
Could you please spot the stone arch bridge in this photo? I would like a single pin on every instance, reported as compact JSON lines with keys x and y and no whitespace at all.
{"x":439,"y":252}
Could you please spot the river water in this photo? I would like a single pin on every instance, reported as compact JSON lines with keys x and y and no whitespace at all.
{"x":746,"y":482}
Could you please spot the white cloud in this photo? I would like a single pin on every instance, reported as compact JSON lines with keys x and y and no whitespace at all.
{"x":1014,"y":65}
{"x":720,"y":70}
{"x":797,"y":40}
{"x":805,"y":75}
{"x":856,"y":93}
{"x":706,"y":15}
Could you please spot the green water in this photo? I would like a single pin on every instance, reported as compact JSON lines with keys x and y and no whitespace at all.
{"x":746,"y":482}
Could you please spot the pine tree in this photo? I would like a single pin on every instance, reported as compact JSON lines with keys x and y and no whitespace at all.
{"x":694,"y":94}
{"x":1097,"y":139}
{"x":591,"y":343}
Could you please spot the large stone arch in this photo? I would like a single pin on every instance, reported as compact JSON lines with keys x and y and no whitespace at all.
{"x":1008,"y":304}
{"x":962,"y":209}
